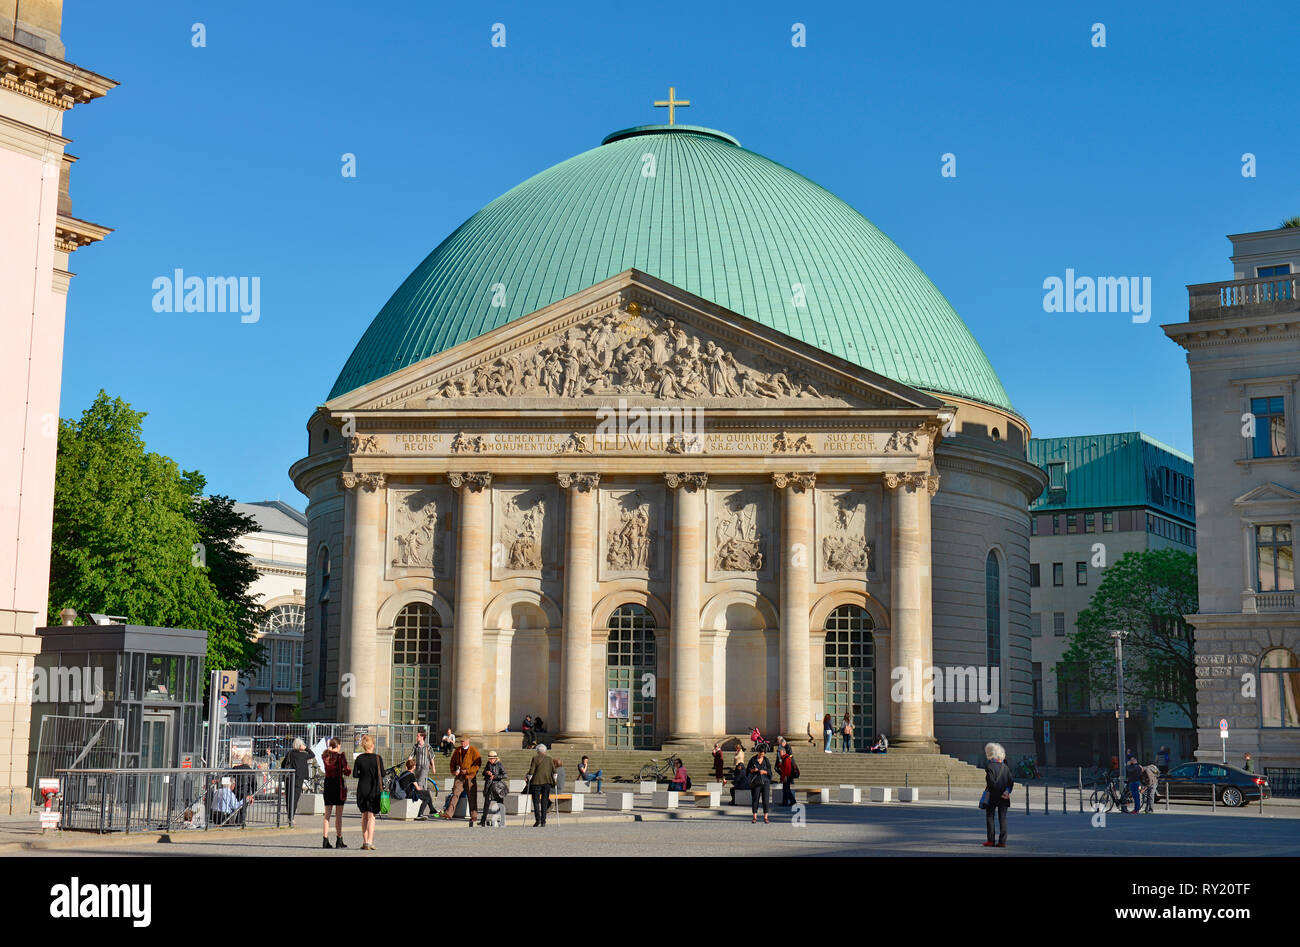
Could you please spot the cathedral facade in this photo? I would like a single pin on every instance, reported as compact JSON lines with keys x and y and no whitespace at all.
{"x":666,"y":456}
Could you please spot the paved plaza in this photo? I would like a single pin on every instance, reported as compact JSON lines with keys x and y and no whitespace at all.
{"x":866,"y":830}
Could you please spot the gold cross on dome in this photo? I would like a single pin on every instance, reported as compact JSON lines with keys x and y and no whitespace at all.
{"x":672,"y":103}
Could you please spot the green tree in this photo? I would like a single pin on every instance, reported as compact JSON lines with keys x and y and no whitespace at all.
{"x":125,"y":537}
{"x":1289,"y":223}
{"x":1146,"y":594}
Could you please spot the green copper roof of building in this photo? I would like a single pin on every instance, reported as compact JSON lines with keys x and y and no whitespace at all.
{"x":1102,"y":471}
{"x":714,"y":219}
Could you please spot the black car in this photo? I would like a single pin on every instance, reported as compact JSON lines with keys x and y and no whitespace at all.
{"x":1195,"y":781}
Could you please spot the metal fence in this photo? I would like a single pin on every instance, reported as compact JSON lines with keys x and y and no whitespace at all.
{"x":172,"y":800}
{"x":65,"y":742}
{"x":271,"y":741}
{"x":1283,"y":781}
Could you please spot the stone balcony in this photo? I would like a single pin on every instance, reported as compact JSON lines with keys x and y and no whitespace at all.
{"x":1253,"y":602}
{"x":1231,"y":299}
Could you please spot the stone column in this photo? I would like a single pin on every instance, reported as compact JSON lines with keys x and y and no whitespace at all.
{"x":579,"y":583}
{"x":361,"y":705}
{"x":472,"y":557}
{"x":796,"y":585}
{"x":684,"y":620}
{"x":912,"y":627}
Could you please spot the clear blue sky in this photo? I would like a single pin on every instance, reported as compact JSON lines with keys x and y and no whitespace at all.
{"x":225,"y":160}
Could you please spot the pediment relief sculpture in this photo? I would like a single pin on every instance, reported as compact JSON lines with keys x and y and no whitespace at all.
{"x":628,"y":353}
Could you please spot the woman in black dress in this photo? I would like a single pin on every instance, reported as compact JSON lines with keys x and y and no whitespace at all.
{"x":759,"y":772}
{"x":368,"y":768}
{"x":336,"y":792}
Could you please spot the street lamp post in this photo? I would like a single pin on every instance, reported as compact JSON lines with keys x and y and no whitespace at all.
{"x":1119,"y":637}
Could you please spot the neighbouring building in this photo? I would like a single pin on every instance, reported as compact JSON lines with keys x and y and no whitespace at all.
{"x":1106,"y":495}
{"x":37,"y":86}
{"x":279,"y":550}
{"x":664,"y":456}
{"x":1242,"y":339}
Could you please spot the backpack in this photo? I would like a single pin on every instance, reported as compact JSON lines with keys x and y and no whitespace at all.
{"x":688,"y":783}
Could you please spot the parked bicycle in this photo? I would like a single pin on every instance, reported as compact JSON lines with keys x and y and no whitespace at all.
{"x":1027,"y":768}
{"x":1111,"y":795}
{"x":660,"y":771}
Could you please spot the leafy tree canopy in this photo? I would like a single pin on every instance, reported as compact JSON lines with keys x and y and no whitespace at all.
{"x":1146,"y":594}
{"x":133,"y":537}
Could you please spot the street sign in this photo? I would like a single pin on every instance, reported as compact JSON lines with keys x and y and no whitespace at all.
{"x":49,"y":819}
{"x":1223,"y":735}
{"x":229,"y":681}
{"x":1047,"y":731}
{"x":225,"y":701}
{"x":1223,"y":724}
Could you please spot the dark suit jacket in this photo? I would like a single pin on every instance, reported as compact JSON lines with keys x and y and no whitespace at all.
{"x":997,"y":780}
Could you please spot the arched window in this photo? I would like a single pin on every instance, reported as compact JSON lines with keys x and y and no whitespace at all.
{"x":849,"y":675}
{"x":993,"y":609}
{"x":281,"y":638}
{"x":630,"y":664}
{"x":1279,"y":689}
{"x":322,"y":622}
{"x":417,"y":660}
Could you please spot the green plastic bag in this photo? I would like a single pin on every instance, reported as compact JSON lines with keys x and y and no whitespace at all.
{"x":384,"y":800}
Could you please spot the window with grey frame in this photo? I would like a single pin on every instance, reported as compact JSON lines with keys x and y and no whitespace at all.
{"x":1274,"y":558}
{"x":1279,"y":689}
{"x":993,"y":609}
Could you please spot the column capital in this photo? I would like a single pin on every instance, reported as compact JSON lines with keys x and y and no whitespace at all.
{"x":582,"y":482}
{"x":913,"y":481}
{"x":799,"y":482}
{"x":689,"y":481}
{"x":366,"y":481}
{"x":474,"y":481}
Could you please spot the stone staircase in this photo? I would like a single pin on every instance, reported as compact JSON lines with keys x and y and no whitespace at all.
{"x":817,"y":768}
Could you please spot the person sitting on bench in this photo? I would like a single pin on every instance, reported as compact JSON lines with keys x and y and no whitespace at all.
{"x":412,"y":790}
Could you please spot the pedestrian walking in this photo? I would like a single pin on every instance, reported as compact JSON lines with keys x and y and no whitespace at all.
{"x":298,"y":760}
{"x":422,"y":753}
{"x":846,"y":730}
{"x":789,"y":773}
{"x":541,"y":779}
{"x":997,"y":792}
{"x":1248,"y":765}
{"x":828,"y":731}
{"x":369,"y":769}
{"x":1133,"y":776}
{"x":759,"y":774}
{"x":719,"y":771}
{"x":494,"y":787}
{"x":336,"y":792}
{"x":464,"y":764}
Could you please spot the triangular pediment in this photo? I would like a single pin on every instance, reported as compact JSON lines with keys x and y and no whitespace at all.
{"x":638,"y":338}
{"x":1267,"y":493}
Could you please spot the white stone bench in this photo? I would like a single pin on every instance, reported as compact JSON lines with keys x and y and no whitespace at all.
{"x":569,"y":802}
{"x":813,"y":796}
{"x":713,"y":787}
{"x":909,"y":794}
{"x":743,"y":797}
{"x":404,"y":810}
{"x":581,"y":786}
{"x":663,"y":799}
{"x":619,"y":801}
{"x":707,"y":800}
{"x":647,"y":787}
{"x":517,"y":785}
{"x":311,"y":803}
{"x":518,"y":804}
{"x":850,"y":794}
{"x":881,"y":794}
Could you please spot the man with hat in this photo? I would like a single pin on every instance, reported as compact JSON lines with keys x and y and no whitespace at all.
{"x":465,"y":762}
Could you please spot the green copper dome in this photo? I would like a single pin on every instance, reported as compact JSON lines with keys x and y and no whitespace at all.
{"x":714,"y":219}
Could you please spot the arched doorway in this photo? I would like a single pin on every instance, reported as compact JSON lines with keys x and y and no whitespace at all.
{"x":629,"y":655}
{"x":534,"y":677}
{"x":849,"y":660}
{"x":417,"y":666}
